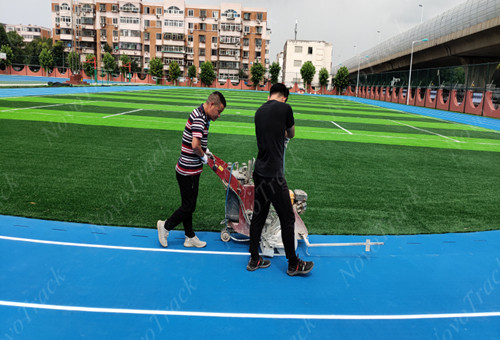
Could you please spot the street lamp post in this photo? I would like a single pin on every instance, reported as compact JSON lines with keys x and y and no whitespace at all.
{"x":421,"y":13}
{"x":411,"y":62}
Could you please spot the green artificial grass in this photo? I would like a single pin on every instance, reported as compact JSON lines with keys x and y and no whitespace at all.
{"x":61,"y":159}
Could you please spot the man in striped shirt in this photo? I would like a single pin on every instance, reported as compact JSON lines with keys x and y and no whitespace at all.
{"x":189,"y":167}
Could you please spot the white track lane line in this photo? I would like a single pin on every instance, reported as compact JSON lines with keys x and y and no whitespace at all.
{"x":349,"y":132}
{"x":248,"y":315}
{"x":122,"y":113}
{"x":433,"y":133}
{"x":42,"y":106}
{"x":103,"y":246}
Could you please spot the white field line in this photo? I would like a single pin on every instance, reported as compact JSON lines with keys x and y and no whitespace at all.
{"x":42,"y":106}
{"x":103,"y":246}
{"x":433,"y":133}
{"x":349,"y":132}
{"x":122,"y":113}
{"x":248,"y":315}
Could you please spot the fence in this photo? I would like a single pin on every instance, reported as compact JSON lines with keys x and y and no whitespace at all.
{"x":466,"y":88}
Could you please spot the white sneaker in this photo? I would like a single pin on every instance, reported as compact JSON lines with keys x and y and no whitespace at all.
{"x":162,"y":233}
{"x":194,"y":242}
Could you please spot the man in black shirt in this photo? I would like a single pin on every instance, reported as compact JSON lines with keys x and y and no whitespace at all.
{"x":274,"y":123}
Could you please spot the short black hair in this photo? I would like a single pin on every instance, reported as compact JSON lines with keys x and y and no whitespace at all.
{"x":217,"y":98}
{"x":279,"y":88}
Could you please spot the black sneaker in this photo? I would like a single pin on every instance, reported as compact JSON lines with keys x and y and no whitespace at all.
{"x":256,"y":264}
{"x":301,"y":268}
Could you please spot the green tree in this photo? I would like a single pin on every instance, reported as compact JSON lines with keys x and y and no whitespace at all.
{"x":307,"y":72}
{"x":16,"y":43}
{"x":109,"y":63}
{"x":174,"y":71}
{"x":58,"y":54}
{"x":274,"y":70}
{"x":46,"y":59}
{"x":257,"y":73}
{"x":192,"y":72}
{"x":156,"y":69}
{"x":125,"y":59}
{"x":324,"y":76}
{"x":3,"y":36}
{"x":9,"y":56}
{"x":107,"y":48}
{"x":74,"y":62}
{"x":88,"y":68}
{"x":207,"y":74}
{"x":341,"y":79}
{"x":242,"y":74}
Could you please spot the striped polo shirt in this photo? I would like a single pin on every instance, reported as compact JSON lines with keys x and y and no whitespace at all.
{"x":197,"y":125}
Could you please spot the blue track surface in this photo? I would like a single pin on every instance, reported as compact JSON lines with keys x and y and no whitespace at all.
{"x":109,"y":282}
{"x":485,"y":122}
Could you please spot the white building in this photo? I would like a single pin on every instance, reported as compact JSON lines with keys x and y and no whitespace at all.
{"x":29,"y":32}
{"x":279,"y":60}
{"x":297,"y":52}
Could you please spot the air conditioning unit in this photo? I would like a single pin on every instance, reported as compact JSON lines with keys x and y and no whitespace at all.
{"x":258,"y":21}
{"x":116,"y":25}
{"x":216,"y":18}
{"x":57,"y":24}
{"x":202,"y":18}
{"x":103,"y":24}
{"x":67,"y":24}
{"x":190,"y":30}
{"x":115,"y":38}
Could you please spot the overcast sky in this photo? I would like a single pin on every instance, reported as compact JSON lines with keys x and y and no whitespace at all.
{"x":344,"y":23}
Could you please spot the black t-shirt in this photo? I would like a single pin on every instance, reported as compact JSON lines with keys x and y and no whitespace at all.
{"x":271,"y":120}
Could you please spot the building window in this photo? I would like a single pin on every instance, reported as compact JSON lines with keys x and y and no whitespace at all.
{"x":65,"y":7}
{"x":103,"y":20}
{"x":147,"y":10}
{"x":174,"y":10}
{"x":215,"y":14}
{"x":246,"y":42}
{"x":214,"y":27}
{"x":174,"y":23}
{"x":190,"y":38}
{"x":158,"y":23}
{"x":115,"y":21}
{"x":190,"y":25}
{"x":190,"y":13}
{"x":146,"y":48}
{"x":203,"y":13}
{"x":259,"y":29}
{"x":247,"y":29}
{"x":158,"y":36}
{"x":203,"y":27}
{"x":102,"y":7}
{"x":309,"y":50}
{"x":114,"y":8}
{"x":246,"y":16}
{"x":115,"y":33}
{"x":297,"y":63}
{"x":214,"y":52}
{"x":158,"y":10}
{"x":128,"y":7}
{"x":202,"y":39}
{"x":214,"y":40}
{"x":246,"y":54}
{"x":146,"y":23}
{"x":202,"y":52}
{"x":259,"y":16}
{"x":298,"y":49}
{"x":129,"y":20}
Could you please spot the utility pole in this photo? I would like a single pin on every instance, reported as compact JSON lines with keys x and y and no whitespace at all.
{"x":296,"y":23}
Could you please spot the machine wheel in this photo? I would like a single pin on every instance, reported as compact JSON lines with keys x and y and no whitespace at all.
{"x":225,"y":236}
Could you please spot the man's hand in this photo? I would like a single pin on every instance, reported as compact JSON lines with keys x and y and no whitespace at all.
{"x":208,"y":153}
{"x":204,"y":159}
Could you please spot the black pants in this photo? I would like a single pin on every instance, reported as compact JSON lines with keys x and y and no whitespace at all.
{"x":189,"y":194}
{"x":275,"y":191}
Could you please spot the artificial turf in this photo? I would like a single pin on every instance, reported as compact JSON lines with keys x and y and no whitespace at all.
{"x":61,"y":159}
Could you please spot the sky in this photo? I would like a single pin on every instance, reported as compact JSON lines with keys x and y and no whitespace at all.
{"x":345,"y":24}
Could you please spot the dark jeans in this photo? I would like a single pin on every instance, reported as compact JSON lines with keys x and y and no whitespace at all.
{"x":275,"y":191}
{"x":189,"y":193}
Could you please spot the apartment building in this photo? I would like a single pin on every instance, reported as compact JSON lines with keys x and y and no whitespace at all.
{"x":232,"y":37}
{"x":29,"y":32}
{"x":297,"y":52}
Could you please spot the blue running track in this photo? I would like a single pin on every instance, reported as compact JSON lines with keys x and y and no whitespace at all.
{"x":68,"y":281}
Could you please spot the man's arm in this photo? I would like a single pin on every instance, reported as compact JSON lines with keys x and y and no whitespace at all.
{"x":290,"y":133}
{"x":196,"y":145}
